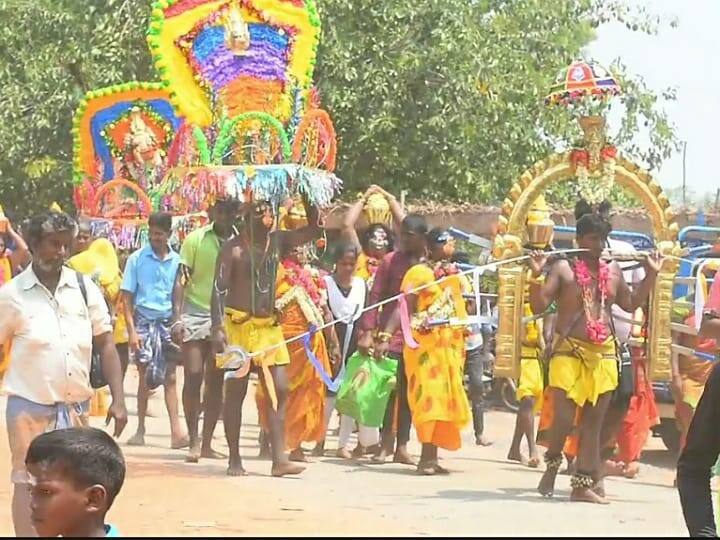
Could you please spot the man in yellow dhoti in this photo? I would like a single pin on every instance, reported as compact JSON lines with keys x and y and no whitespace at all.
{"x":583,"y":370}
{"x":529,"y":393}
{"x":434,"y":355}
{"x":243,"y":315}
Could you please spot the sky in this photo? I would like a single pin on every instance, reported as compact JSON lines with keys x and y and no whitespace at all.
{"x":687,"y":58}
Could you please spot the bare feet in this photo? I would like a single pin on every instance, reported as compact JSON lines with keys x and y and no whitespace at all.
{"x":380,"y":457}
{"x":426,"y":468}
{"x":181,"y":442}
{"x":631,"y":470}
{"x":482,"y":440}
{"x":235,"y":468}
{"x":599,"y":488}
{"x":344,"y":453}
{"x":533,"y":462}
{"x":193,"y":455}
{"x":371,"y":450}
{"x":515,"y":455}
{"x":587,"y":495}
{"x":137,"y":440}
{"x":285,"y":469}
{"x":319,"y":450}
{"x":209,"y":453}
{"x":298,"y":455}
{"x":546,"y":487}
{"x":612,"y":468}
{"x":402,"y":456}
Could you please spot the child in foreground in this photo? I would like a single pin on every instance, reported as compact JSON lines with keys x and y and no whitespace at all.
{"x":75,"y":475}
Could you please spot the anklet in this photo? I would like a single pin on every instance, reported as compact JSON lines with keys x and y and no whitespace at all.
{"x":581,"y":480}
{"x":553,"y":463}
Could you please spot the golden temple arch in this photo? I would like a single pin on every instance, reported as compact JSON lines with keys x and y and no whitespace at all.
{"x":512,"y":277}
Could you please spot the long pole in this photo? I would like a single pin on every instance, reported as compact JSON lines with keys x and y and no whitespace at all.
{"x":684,"y":175}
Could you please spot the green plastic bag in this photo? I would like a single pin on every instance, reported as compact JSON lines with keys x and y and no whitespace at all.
{"x":366,"y":389}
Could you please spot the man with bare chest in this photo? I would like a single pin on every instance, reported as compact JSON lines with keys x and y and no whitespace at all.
{"x":583,"y":369}
{"x":243,"y":316}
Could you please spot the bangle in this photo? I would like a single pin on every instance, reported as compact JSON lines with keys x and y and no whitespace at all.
{"x":384,"y":337}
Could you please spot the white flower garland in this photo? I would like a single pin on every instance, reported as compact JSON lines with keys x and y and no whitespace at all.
{"x":592,"y":191}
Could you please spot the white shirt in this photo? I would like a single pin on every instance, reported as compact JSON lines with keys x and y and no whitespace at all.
{"x":51,"y":337}
{"x":636,"y":275}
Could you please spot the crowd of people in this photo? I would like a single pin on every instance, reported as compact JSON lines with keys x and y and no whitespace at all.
{"x":244,"y":295}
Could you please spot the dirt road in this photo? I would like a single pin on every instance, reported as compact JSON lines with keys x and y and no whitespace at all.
{"x":485,"y":495}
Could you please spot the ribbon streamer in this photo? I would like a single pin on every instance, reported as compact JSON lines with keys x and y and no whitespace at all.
{"x":332,"y":384}
{"x":405,"y":324}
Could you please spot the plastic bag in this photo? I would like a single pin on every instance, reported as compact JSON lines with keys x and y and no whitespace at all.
{"x":366,"y":389}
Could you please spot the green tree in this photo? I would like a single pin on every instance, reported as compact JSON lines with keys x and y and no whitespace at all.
{"x":441,"y":97}
{"x":444,"y":98}
{"x":51,"y":53}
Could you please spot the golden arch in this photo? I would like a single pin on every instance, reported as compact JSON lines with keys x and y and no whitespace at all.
{"x":512,"y":222}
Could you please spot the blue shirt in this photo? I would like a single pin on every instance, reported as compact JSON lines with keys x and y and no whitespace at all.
{"x":151,"y":280}
{"x":111,"y":532}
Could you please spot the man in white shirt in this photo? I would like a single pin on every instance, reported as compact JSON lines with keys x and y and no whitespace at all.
{"x":52,"y":327}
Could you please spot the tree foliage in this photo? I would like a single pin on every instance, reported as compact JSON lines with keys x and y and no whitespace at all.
{"x":444,"y":98}
{"x":440,"y":97}
{"x":51,"y":53}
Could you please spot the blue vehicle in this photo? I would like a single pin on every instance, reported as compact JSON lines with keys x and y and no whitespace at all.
{"x":697,"y":240}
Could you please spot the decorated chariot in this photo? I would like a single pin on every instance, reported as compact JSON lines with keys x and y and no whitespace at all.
{"x":234,"y":112}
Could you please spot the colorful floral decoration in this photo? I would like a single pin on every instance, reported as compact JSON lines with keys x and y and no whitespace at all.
{"x":582,"y":80}
{"x":580,"y":84}
{"x":597,"y":327}
{"x":315,"y":142}
{"x":189,"y":45}
{"x":236,"y":113}
{"x":114,"y":126}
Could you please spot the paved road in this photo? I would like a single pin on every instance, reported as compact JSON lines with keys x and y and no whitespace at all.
{"x":485,"y":495}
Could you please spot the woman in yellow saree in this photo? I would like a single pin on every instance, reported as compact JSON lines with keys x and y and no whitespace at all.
{"x":435,"y":355}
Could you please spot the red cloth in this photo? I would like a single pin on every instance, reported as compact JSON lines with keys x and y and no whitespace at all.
{"x":386,"y":284}
{"x":641,"y":416}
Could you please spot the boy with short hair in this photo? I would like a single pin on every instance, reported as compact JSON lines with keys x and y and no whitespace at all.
{"x":75,"y":475}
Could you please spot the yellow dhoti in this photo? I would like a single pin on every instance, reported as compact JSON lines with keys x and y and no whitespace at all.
{"x":530,"y":384}
{"x":584,"y":370}
{"x":255,"y":334}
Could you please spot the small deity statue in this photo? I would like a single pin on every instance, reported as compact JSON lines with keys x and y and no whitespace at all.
{"x":141,"y":141}
{"x":237,"y":34}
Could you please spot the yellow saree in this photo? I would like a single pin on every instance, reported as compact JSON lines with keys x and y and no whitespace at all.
{"x":434,"y":369}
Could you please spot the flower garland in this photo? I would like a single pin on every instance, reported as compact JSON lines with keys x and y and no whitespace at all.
{"x":298,"y":275}
{"x":443,"y":269}
{"x":596,"y":328}
{"x":595,"y":191}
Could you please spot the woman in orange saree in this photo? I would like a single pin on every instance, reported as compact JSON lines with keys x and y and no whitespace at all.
{"x":301,"y":302}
